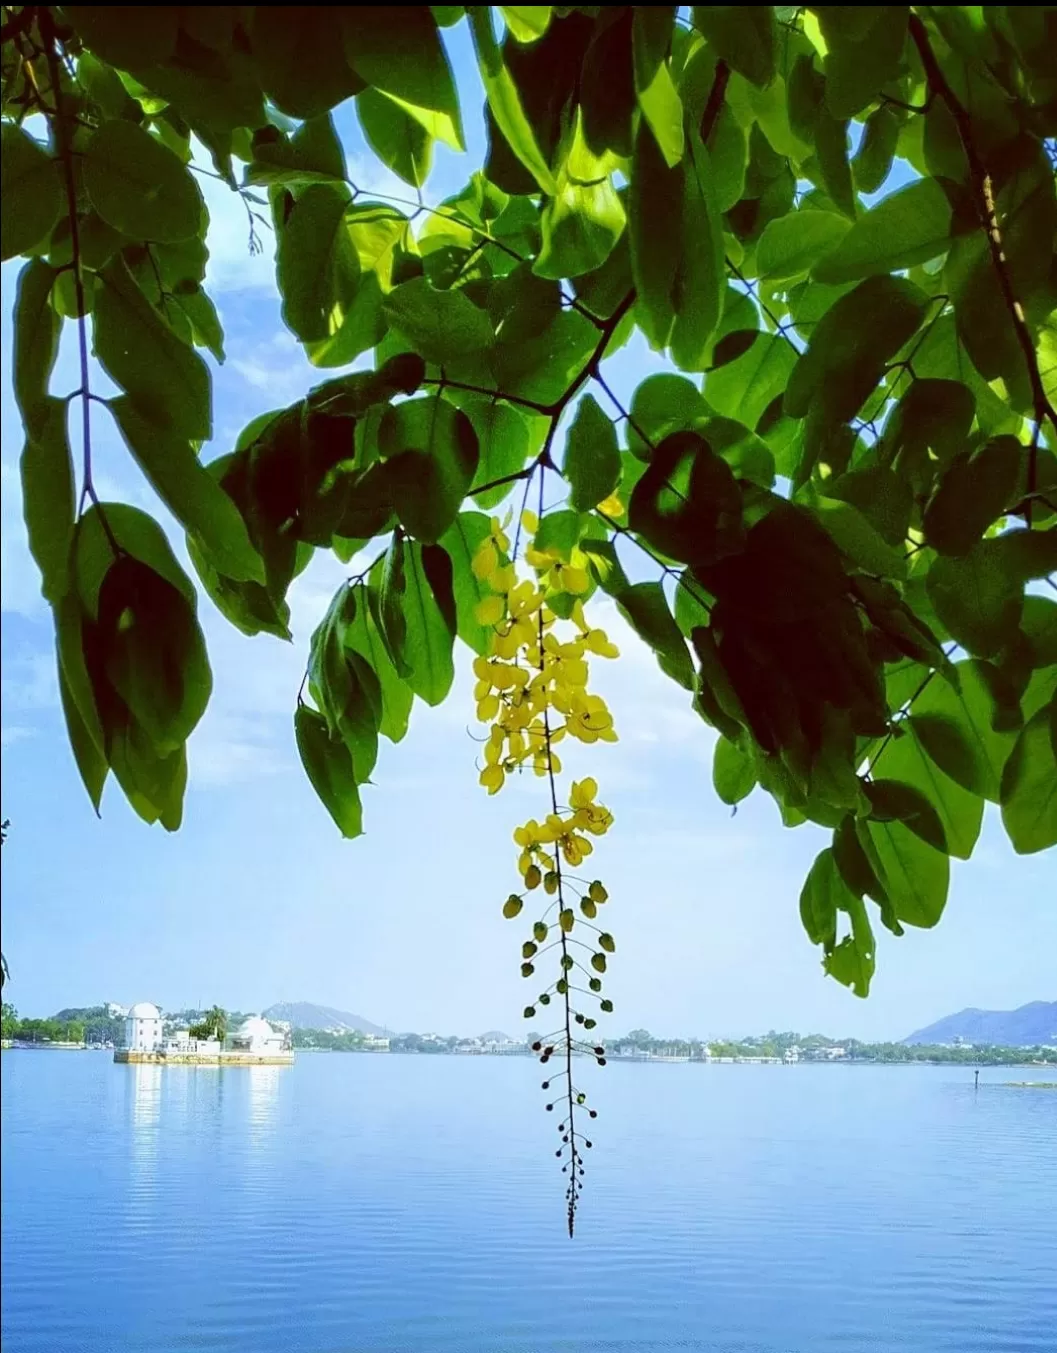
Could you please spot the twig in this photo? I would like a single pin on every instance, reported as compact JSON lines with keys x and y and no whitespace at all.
{"x":983,"y":193}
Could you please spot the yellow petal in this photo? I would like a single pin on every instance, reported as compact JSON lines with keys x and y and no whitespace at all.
{"x":485,"y":560}
{"x":492,"y":778}
{"x":489,"y":611}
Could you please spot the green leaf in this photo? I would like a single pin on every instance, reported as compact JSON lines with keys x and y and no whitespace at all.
{"x":824,"y":894}
{"x":831,"y":149}
{"x":700,"y":279}
{"x":248,"y":606}
{"x":154,"y":784}
{"x":858,"y":539}
{"x":974,"y":491}
{"x":526,"y":23}
{"x":955,"y":728}
{"x":1029,"y":785}
{"x":462,"y":540}
{"x":317,"y":265}
{"x":910,"y":226}
{"x":190,"y":492}
{"x":432,"y":452}
{"x":845,"y":359}
{"x":865,"y":50}
{"x":362,"y":636}
{"x":140,"y":353}
{"x":153,"y":652}
{"x":583,"y":219}
{"x":645,"y":607}
{"x":744,"y":388}
{"x":662,"y":404}
{"x":504,"y":101}
{"x":872,"y":162}
{"x":398,"y":139}
{"x":853,"y":960}
{"x":687,"y":504}
{"x":206,"y":329}
{"x":914,"y":874}
{"x":31,"y":196}
{"x":655,"y":234}
{"x":138,"y":185}
{"x":36,"y":342}
{"x":790,"y":246}
{"x":605,"y":567}
{"x":312,"y":155}
{"x":503,"y":437}
{"x":329,"y":768}
{"x":300,"y":58}
{"x":442,"y":325}
{"x":48,"y":496}
{"x":428,"y":642}
{"x":893,"y":801}
{"x":960,"y":811}
{"x":733,"y":772}
{"x":136,"y":534}
{"x":407,"y":62}
{"x":657,"y":97}
{"x":127,"y":38}
{"x":744,"y":36}
{"x":592,"y":457}
{"x":91,"y":764}
{"x":390,"y":617}
{"x":976,"y":597}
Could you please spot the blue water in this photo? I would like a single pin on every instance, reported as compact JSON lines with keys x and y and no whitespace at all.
{"x":359,"y":1203}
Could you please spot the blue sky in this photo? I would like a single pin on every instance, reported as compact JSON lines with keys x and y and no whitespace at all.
{"x":257,"y":899}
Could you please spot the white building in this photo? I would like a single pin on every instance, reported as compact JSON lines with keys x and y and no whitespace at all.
{"x":256,"y":1035}
{"x":143,"y":1027}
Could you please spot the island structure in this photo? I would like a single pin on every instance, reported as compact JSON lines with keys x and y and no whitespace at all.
{"x":254,"y":1043}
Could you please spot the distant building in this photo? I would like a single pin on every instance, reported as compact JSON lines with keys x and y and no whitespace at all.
{"x":254,"y":1042}
{"x":791,"y":1055}
{"x":143,"y":1027}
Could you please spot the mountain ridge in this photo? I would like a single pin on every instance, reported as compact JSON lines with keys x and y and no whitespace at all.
{"x":308,"y":1015}
{"x":1028,"y":1026}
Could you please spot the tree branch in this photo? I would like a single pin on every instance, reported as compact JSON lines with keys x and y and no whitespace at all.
{"x":983,"y":194}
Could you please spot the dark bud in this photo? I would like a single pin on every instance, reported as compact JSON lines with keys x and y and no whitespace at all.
{"x":549,"y":1107}
{"x":546,"y":1085}
{"x":579,"y":1019}
{"x":588,"y":1023}
{"x":536,"y":1046}
{"x":550,"y":1051}
{"x":558,"y":1152}
{"x":588,"y":1144}
{"x":594,"y":983}
{"x":601,"y":1061}
{"x":599,"y":1051}
{"x":592,"y":1113}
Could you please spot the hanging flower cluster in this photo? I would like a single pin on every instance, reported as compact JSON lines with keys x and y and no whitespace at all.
{"x":532,"y":688}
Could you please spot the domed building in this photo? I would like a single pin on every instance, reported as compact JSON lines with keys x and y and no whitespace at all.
{"x":256,"y":1035}
{"x":143,"y":1027}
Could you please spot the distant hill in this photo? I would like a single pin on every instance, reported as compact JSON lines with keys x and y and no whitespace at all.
{"x":305,"y":1015}
{"x":1030,"y":1026}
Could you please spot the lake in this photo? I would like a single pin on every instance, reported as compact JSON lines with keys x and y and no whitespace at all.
{"x":357,"y":1203}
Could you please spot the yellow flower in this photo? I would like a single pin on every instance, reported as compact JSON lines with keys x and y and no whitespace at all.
{"x":502,"y":578}
{"x":489,"y":611}
{"x":611,"y":506}
{"x":583,"y":792}
{"x":487,"y":708}
{"x":530,"y":522}
{"x":486,"y":560}
{"x":568,"y":578}
{"x":492,"y":778}
{"x":598,"y":642}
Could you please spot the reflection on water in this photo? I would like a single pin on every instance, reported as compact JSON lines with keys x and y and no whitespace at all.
{"x":145,"y":1089}
{"x":263,"y":1098}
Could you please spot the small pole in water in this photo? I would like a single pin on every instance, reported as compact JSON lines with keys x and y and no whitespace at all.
{"x":976,"y":1080}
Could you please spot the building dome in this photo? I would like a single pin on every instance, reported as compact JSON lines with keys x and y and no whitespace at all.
{"x":254,"y":1028}
{"x":144,"y":1010}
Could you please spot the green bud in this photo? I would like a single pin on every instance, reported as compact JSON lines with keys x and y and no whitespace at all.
{"x":512,"y":906}
{"x":597,"y":892}
{"x":527,"y":970}
{"x":566,"y":919}
{"x":533,"y":877}
{"x":607,"y":1006}
{"x":598,"y":962}
{"x":607,"y":942}
{"x":550,"y":881}
{"x":589,"y":909}
{"x":540,"y":931}
{"x":528,"y":949}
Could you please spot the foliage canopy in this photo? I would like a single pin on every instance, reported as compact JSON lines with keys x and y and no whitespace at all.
{"x":836,"y":223}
